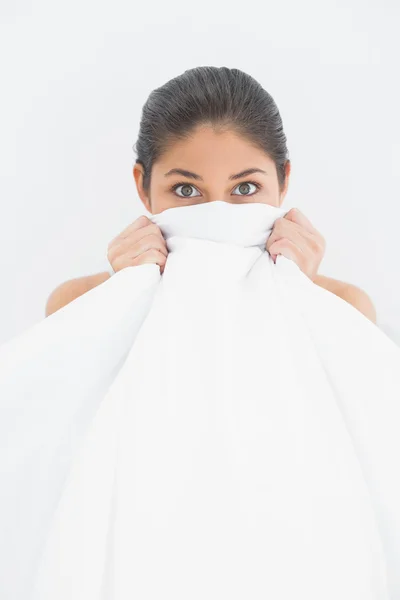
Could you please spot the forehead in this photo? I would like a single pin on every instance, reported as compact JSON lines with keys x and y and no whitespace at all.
{"x":208,"y":151}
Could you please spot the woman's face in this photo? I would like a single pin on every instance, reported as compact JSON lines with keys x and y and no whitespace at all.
{"x":213,"y":163}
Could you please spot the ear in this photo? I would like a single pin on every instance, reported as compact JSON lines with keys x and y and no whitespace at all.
{"x":138,"y":174}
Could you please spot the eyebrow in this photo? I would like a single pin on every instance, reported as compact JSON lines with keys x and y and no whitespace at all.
{"x":199,"y":178}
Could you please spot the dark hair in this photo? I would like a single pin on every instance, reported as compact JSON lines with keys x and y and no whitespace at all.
{"x":219,"y":96}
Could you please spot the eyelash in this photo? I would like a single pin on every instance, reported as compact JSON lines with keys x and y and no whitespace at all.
{"x":176,"y":185}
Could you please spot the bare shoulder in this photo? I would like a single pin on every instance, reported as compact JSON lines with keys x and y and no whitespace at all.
{"x":71,"y":289}
{"x":329,"y":283}
{"x":64,"y":293}
{"x":349,"y":292}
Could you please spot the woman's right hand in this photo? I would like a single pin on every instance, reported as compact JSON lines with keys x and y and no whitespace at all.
{"x":141,"y":242}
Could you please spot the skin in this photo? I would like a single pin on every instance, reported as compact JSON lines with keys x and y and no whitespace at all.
{"x":212,"y":155}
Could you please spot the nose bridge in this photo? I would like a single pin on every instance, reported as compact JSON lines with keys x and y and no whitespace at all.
{"x":223,"y":193}
{"x":221,"y":196}
{"x":218,"y":191}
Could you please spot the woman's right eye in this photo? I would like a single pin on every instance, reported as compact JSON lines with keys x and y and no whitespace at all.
{"x":184,"y":185}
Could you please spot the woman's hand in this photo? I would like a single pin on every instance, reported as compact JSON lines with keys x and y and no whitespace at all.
{"x":294,"y":236}
{"x":141,"y":242}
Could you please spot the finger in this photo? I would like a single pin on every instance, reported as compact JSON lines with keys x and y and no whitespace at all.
{"x":150,"y":256}
{"x":136,"y":235}
{"x":125,"y":246}
{"x":290,"y":231}
{"x":148,"y":242}
{"x":296,"y":216}
{"x":140,"y":223}
{"x":296,"y":233}
{"x":289,"y":250}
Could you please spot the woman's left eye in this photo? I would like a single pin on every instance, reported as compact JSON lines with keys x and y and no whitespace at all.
{"x":245,"y":185}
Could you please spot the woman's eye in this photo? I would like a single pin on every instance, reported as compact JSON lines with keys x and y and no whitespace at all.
{"x":244,"y":187}
{"x":186,"y":189}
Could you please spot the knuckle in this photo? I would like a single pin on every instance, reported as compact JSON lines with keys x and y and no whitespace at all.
{"x":151,"y":253}
{"x":280,"y":223}
{"x":143,"y":243}
{"x":158,"y":242}
{"x":110,"y":253}
{"x":112,"y":243}
{"x":319,"y":245}
{"x":155,"y":229}
{"x":154,"y":237}
{"x":152,"y":229}
{"x":142,"y":220}
{"x":149,"y":242}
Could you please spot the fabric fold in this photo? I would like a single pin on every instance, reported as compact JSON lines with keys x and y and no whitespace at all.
{"x":228,"y":429}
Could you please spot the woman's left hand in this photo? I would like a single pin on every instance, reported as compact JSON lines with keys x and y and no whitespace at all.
{"x":294,"y":236}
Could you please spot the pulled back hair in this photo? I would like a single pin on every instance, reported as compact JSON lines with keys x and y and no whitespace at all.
{"x":218,"y":96}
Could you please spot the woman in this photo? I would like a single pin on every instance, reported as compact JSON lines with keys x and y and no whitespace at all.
{"x":209,"y":431}
{"x":212,"y":133}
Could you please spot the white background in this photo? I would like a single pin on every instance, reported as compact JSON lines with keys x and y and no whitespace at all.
{"x":74,"y":78}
